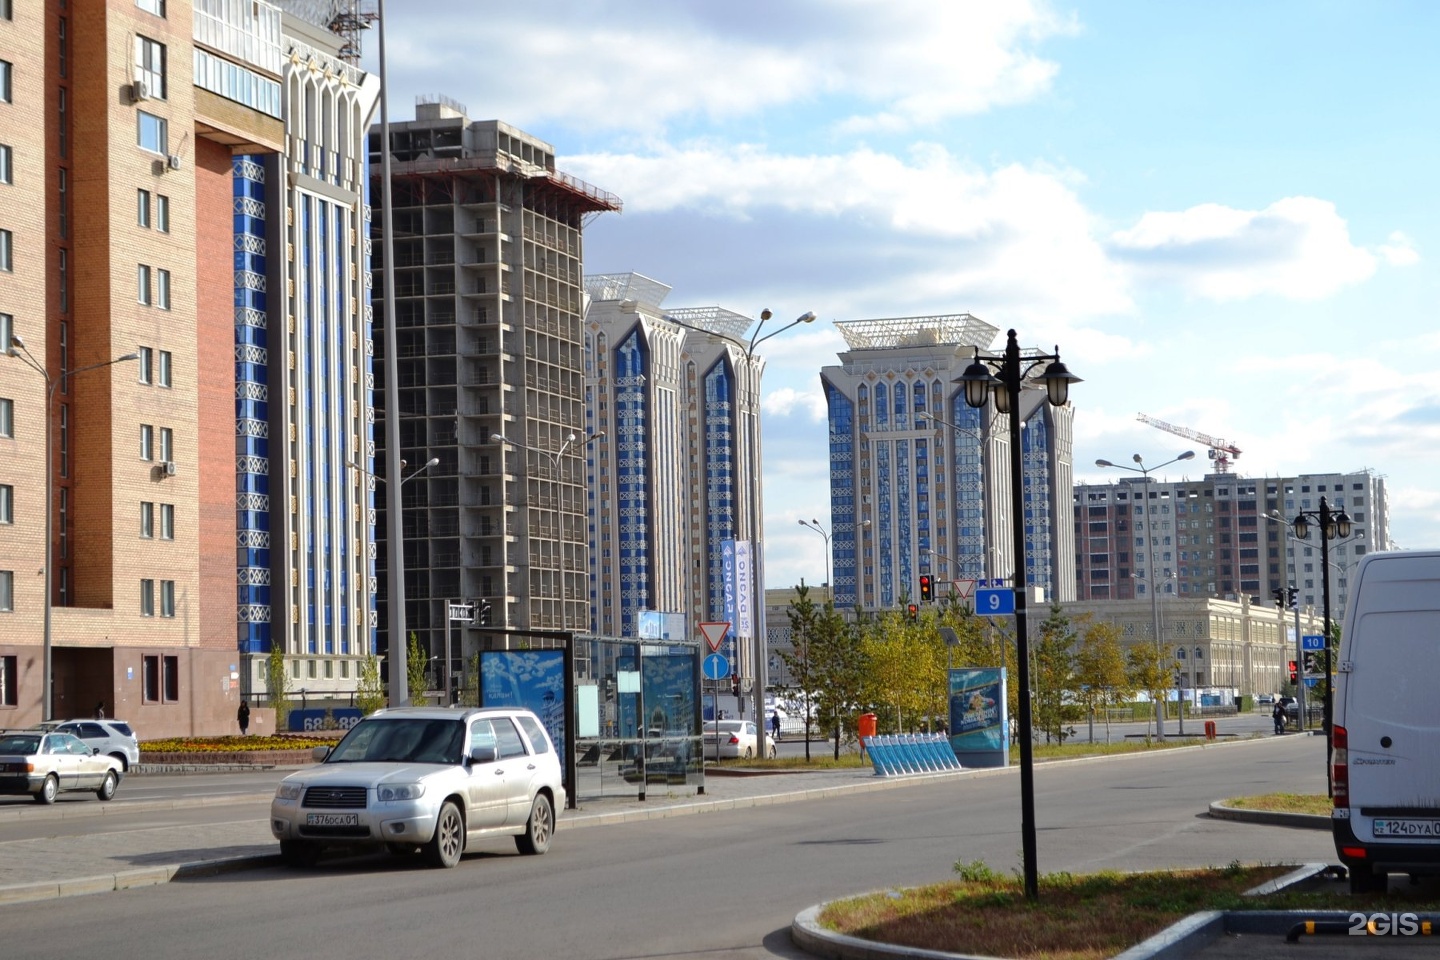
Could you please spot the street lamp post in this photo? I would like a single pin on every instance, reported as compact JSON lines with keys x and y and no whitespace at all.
{"x":1332,"y":525}
{"x":52,"y":384}
{"x":1154,"y":586}
{"x":1302,"y":714}
{"x":756,"y":576}
{"x":1010,"y":371}
{"x":815,"y":525}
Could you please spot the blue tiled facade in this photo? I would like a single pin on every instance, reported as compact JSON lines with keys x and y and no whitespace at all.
{"x":252,"y":408}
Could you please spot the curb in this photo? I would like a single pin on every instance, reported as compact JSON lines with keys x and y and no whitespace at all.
{"x":1175,"y":942}
{"x":1271,"y":818}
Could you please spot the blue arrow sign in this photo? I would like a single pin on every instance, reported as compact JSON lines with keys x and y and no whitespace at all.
{"x":994,"y":603}
{"x":716,"y":667}
{"x":1312,"y":642}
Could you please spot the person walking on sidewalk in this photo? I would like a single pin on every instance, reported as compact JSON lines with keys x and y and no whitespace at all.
{"x":775,"y":725}
{"x":242,"y":716}
{"x":1278,"y":714}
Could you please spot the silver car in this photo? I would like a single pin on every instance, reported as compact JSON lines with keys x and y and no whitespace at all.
{"x":44,"y":765}
{"x":113,"y":737}
{"x":431,"y":780}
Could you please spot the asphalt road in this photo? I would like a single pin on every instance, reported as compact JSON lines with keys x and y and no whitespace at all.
{"x":724,"y":884}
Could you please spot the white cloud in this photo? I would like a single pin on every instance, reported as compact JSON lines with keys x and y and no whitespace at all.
{"x":1298,"y":248}
{"x":1400,"y":251}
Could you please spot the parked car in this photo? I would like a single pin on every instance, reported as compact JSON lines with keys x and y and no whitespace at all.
{"x":734,"y":739}
{"x":44,"y":765}
{"x":432,"y":780}
{"x":114,"y":737}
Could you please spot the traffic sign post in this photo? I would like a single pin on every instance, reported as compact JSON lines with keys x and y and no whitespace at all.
{"x":1312,"y":641}
{"x":717,"y":667}
{"x":714,"y":633}
{"x":995,"y":603}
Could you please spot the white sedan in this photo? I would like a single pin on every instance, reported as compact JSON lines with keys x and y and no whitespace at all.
{"x":734,"y":739}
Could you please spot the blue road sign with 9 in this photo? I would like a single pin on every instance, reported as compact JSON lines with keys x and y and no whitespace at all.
{"x":716,"y":667}
{"x":1312,"y":642}
{"x":994,"y":603}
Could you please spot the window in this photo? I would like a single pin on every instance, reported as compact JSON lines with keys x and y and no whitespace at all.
{"x":7,"y":264}
{"x":152,"y":132}
{"x":7,"y":417}
{"x":147,"y":442}
{"x":7,"y":503}
{"x":142,"y":284}
{"x":167,"y":443}
{"x":7,"y":330}
{"x":160,"y":678}
{"x":7,"y":590}
{"x":5,"y":70}
{"x":167,"y":521}
{"x":163,"y":371}
{"x":147,"y":520}
{"x":62,"y":179}
{"x":7,"y":11}
{"x":62,"y":265}
{"x":162,"y":213}
{"x":64,"y":439}
{"x":167,"y":598}
{"x":156,"y":7}
{"x":171,"y":669}
{"x":142,"y":208}
{"x":62,"y":102}
{"x":7,"y":173}
{"x":147,"y":598}
{"x":145,"y":357}
{"x":9,"y":695}
{"x":162,"y":289}
{"x":150,"y":66}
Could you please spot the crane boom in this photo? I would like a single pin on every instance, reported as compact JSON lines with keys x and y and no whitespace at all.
{"x":1220,"y":451}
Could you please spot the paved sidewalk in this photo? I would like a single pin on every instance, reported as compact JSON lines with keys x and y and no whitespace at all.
{"x":47,"y":867}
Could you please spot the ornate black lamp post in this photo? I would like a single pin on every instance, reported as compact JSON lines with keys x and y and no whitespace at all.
{"x":1009,"y":372}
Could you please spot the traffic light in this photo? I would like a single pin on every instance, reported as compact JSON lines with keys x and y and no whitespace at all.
{"x":927,"y":588}
{"x":1312,"y":662}
{"x":1279,"y":594}
{"x":1292,"y":598}
{"x":1294,"y":676}
{"x":914,"y":611}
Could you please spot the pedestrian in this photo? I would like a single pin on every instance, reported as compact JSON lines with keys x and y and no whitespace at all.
{"x":1279,"y":716}
{"x":775,"y":724}
{"x":242,"y":716}
{"x":100,"y":710}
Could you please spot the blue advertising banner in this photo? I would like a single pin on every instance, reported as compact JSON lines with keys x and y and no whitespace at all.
{"x":534,"y":679}
{"x":979,"y":717}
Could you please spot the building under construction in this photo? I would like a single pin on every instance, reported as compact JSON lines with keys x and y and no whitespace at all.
{"x":489,"y":301}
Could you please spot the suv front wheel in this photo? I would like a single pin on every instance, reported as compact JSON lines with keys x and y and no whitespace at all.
{"x":448,"y":843}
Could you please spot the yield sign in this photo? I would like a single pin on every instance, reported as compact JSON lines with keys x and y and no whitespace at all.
{"x":714,"y":633}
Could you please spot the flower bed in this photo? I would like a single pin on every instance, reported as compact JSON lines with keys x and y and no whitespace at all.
{"x":258,"y":750}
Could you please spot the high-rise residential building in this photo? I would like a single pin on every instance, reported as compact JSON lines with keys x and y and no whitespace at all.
{"x":677,"y":394}
{"x":131,"y":133}
{"x":1217,"y":536}
{"x":920,"y":482}
{"x":489,"y":303}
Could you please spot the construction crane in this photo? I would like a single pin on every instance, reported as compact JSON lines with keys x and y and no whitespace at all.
{"x":1220,"y":451}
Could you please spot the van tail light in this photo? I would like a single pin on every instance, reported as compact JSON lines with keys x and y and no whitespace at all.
{"x":1340,"y":765}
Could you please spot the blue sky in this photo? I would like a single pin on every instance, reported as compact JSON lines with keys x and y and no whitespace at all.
{"x":1223,"y":213}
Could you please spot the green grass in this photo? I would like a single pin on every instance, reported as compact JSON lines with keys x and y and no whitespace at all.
{"x":1317,"y":804}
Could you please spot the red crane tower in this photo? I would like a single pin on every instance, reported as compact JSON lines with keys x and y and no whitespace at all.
{"x":1220,"y":451}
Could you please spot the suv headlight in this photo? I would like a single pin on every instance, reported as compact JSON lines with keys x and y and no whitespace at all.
{"x":289,"y":791}
{"x":400,"y":791}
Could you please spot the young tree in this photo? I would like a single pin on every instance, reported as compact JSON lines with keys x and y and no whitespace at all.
{"x":1053,"y":677}
{"x":417,"y":671}
{"x":277,"y":686}
{"x":370,"y":695}
{"x":1149,"y":668}
{"x":1100,"y":670}
{"x":799,"y":660}
{"x":839,"y":670}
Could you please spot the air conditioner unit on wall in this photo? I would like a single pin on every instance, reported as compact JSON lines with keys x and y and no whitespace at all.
{"x":139,"y":90}
{"x":173,"y":161}
{"x":168,"y":467}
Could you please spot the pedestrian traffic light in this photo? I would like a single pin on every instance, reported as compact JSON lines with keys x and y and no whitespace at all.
{"x":1293,"y":604}
{"x":914,"y":610}
{"x":1294,"y":676}
{"x":927,"y":588}
{"x":1279,"y":594}
{"x":1312,"y":662}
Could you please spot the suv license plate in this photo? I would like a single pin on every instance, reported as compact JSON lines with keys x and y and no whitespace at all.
{"x":333,"y":819}
{"x":1407,"y":828}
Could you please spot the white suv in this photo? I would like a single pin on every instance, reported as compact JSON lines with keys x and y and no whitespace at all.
{"x":424,"y":779}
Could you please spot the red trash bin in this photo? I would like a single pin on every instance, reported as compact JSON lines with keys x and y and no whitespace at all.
{"x":1209,"y":729}
{"x":866,"y":727}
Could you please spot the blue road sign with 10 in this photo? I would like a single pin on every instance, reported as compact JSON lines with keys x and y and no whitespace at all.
{"x":994,"y":603}
{"x":1313,"y":641}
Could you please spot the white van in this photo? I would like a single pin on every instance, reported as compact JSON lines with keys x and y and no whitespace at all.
{"x":1386,"y":757}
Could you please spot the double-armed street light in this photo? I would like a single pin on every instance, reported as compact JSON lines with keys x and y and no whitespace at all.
{"x":1153,"y":586}
{"x":815,"y":525}
{"x":17,"y":349}
{"x":1010,"y":370}
{"x":757,"y":600}
{"x":1332,"y":525}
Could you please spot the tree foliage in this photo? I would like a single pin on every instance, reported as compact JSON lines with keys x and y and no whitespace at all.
{"x":370,"y":696}
{"x":277,"y":686}
{"x":1100,"y":668}
{"x":1052,"y":675}
{"x":417,"y":671}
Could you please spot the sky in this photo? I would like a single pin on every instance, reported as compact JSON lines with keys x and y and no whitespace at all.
{"x":1222,"y":213}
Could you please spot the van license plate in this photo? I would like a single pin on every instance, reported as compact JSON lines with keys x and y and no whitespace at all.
{"x":1407,"y":828}
{"x":333,"y":819}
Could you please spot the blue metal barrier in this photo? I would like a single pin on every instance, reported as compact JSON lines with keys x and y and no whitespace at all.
{"x":903,"y":754}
